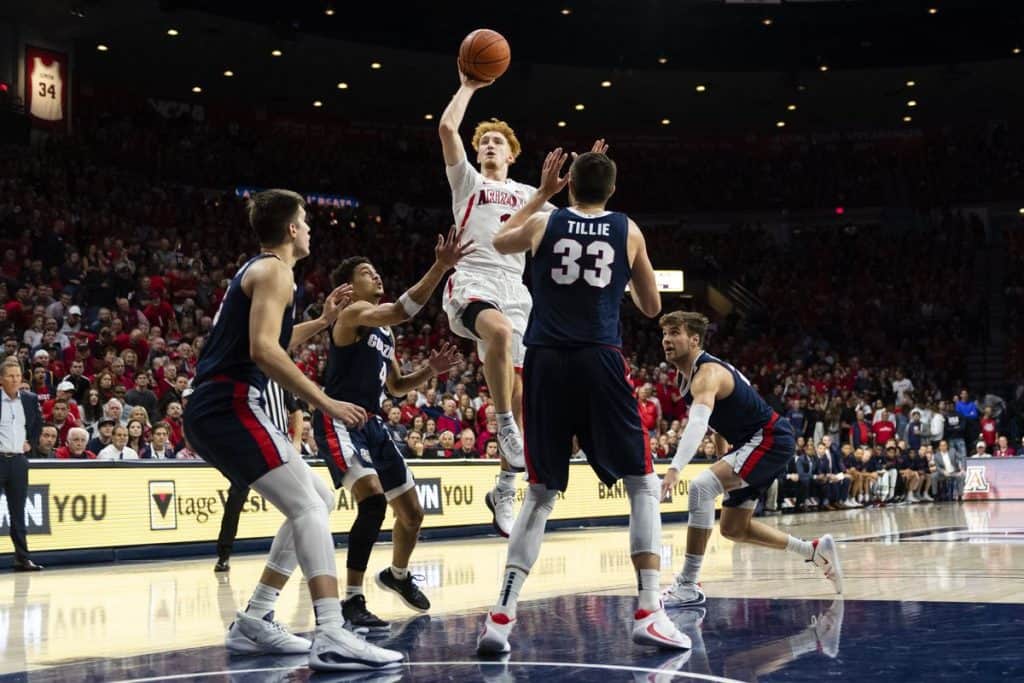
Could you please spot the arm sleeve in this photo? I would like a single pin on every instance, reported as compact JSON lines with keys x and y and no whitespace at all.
{"x":462,"y":178}
{"x":693,"y":434}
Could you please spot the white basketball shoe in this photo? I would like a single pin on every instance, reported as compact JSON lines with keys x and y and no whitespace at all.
{"x":510,"y":442}
{"x":493,"y":639}
{"x":249,"y":635}
{"x":335,"y":649}
{"x":826,"y":558}
{"x":683,"y":594}
{"x":502,"y":507}
{"x":655,"y":628}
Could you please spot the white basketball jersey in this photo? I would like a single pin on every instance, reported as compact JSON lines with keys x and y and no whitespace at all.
{"x":47,"y":91}
{"x":480,"y":207}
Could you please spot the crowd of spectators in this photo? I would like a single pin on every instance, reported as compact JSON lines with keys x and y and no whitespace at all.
{"x":111,"y":270}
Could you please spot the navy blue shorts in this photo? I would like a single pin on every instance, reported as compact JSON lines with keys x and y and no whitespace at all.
{"x":226,"y":424}
{"x":583,"y":392}
{"x":760,"y":461}
{"x":352,"y":454}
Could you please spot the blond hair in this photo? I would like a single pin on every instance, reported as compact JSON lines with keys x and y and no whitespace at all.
{"x":497,"y":126}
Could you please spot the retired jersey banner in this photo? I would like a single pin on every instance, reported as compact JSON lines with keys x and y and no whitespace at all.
{"x":106,"y":505}
{"x":46,"y":87}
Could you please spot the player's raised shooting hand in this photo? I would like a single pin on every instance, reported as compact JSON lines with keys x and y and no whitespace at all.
{"x":349,"y":413}
{"x":445,"y":359}
{"x":335,"y":302}
{"x":470,"y":83}
{"x":550,"y":183}
{"x":669,"y":481}
{"x":451,"y":248}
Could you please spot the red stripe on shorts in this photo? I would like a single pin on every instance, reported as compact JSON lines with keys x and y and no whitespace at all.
{"x":766,"y":445}
{"x":334,"y":443}
{"x":249,"y":420}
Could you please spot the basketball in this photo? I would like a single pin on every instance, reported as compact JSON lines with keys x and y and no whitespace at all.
{"x":484,"y":55}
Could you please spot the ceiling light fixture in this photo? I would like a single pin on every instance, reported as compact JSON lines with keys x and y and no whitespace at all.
{"x":566,"y":11}
{"x":318,"y":103}
{"x":375,"y":65}
{"x":933,"y":10}
{"x":172,"y":32}
{"x":229,"y":73}
{"x":767,"y":21}
{"x":606,"y":84}
{"x":701,"y":88}
{"x":343,"y":86}
{"x":823,"y":68}
{"x":196,"y":89}
{"x":329,"y":11}
{"x":580,"y":107}
{"x":911,"y":84}
{"x":780,"y":124}
{"x":911,"y":103}
{"x":1016,"y":50}
{"x":561,"y":124}
{"x":665,"y":122}
{"x":907,"y":119}
{"x":662,"y":60}
{"x":276,"y":53}
{"x":102,"y":48}
{"x":791,"y":107}
{"x":429,"y":117}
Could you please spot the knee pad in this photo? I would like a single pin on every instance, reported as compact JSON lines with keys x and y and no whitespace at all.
{"x":704,"y":489}
{"x":644,"y":515}
{"x":364,"y":532}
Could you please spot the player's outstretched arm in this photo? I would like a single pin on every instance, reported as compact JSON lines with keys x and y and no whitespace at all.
{"x":270,"y":283}
{"x":643,"y":285}
{"x":441,"y":360}
{"x":703,"y":388}
{"x":521,"y":232}
{"x":448,"y":251}
{"x":451,"y":119}
{"x":333,"y":305}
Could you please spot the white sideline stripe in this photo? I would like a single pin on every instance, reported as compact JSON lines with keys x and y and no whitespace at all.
{"x":685,"y":675}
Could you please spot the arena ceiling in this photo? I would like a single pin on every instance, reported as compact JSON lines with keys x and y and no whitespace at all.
{"x":698,"y":63}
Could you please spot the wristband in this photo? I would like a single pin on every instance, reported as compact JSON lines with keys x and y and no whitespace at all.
{"x":410,"y":307}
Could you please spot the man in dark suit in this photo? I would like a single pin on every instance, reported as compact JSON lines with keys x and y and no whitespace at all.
{"x":797,"y":480}
{"x":21,"y":422}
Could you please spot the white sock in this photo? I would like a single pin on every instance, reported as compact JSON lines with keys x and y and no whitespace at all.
{"x":804,"y":549}
{"x":691,"y":568}
{"x":506,"y":421}
{"x":647,"y":585}
{"x":398,"y":573}
{"x":352,"y":591}
{"x":509,"y":595}
{"x":506,"y":481}
{"x":263,"y":600}
{"x":327,"y":611}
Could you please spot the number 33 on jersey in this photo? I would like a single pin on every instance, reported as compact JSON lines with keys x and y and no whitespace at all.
{"x":580,"y":266}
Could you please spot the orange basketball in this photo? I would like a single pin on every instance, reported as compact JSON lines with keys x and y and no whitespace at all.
{"x":484,"y":55}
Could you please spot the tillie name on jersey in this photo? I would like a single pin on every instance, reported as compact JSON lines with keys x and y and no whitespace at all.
{"x":581,"y":228}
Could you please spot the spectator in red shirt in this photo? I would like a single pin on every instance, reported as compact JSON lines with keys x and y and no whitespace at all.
{"x":488,"y":433}
{"x":988,"y":429}
{"x":884,"y":429}
{"x":173,"y":420}
{"x":649,"y":411}
{"x":63,"y":421}
{"x":65,"y":392}
{"x":76,"y":448}
{"x":449,"y":420}
{"x":159,"y":313}
{"x":669,"y":397}
{"x":1003,"y":449}
{"x":409,"y":408}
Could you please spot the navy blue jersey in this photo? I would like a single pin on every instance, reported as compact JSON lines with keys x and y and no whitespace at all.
{"x":358,"y":372}
{"x":226,"y":351}
{"x":578,"y":276}
{"x":741,"y":414}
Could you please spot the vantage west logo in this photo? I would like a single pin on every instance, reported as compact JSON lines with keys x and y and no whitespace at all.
{"x":163,"y":514}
